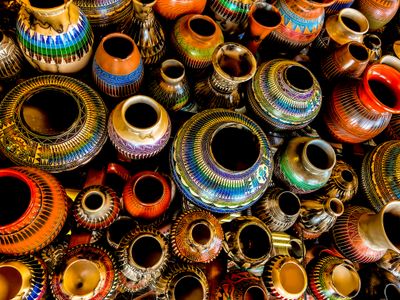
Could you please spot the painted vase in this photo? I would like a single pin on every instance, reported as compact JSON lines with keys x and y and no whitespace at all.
{"x":343,"y":183}
{"x":231,"y":15}
{"x":169,"y":86}
{"x":182,"y":281}
{"x":288,"y":245}
{"x":147,"y":195}
{"x":346,"y":61}
{"x":139,"y":127}
{"x":302,"y":22}
{"x":380,"y":176}
{"x":106,"y":16}
{"x":194,"y":38}
{"x":23,"y":277}
{"x":241,"y":285}
{"x":143,"y":254}
{"x":374,"y":46}
{"x":333,"y":278}
{"x":35,"y":132}
{"x":248,"y":243}
{"x":336,"y":7}
{"x":117,"y":67}
{"x":54,"y":36}
{"x":174,"y":9}
{"x":86,"y":272}
{"x":363,"y":236}
{"x":277,"y":208}
{"x":36,"y":211}
{"x":11,"y":58}
{"x":263,"y":18}
{"x":285,"y":278}
{"x":96,"y":207}
{"x":284,"y":95}
{"x":378,"y":13}
{"x":304,"y":164}
{"x":147,"y":32}
{"x":317,"y":215}
{"x":370,"y":101}
{"x":215,"y":172}
{"x":233,"y":64}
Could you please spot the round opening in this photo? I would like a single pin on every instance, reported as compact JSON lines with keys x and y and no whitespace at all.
{"x":119,"y":228}
{"x":18,"y":196}
{"x":254,"y":242}
{"x":201,"y":234}
{"x":93,"y":201}
{"x":296,"y":249}
{"x":351,"y":24}
{"x":46,"y":4}
{"x":254,"y":293}
{"x":391,"y":224}
{"x":189,"y":288}
{"x":299,"y":77}
{"x":202,"y":26}
{"x":233,"y":64}
{"x":358,"y":52}
{"x":141,"y":115}
{"x":232,"y":155}
{"x":289,"y":203}
{"x":347,"y":175}
{"x":392,"y":292}
{"x":174,"y":71}
{"x":336,"y":206}
{"x":119,"y":47}
{"x":383,"y":92}
{"x":149,"y":189}
{"x":10,"y":282}
{"x":81,"y":277}
{"x":49,"y":112}
{"x":346,"y":281}
{"x":292,"y":278}
{"x":372,"y":41}
{"x":318,"y":156}
{"x":146,"y":251}
{"x":267,"y":17}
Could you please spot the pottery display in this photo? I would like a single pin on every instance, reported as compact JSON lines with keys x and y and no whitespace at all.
{"x":173,"y":9}
{"x":11,"y":58}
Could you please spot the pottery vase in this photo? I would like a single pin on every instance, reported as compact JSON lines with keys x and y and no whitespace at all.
{"x":374,"y":46}
{"x":194,"y":38}
{"x":54,"y":36}
{"x":378,"y":13}
{"x":363,"y":236}
{"x":277,"y":208}
{"x":169,"y":86}
{"x":301,"y":23}
{"x":36,"y":132}
{"x":23,"y":277}
{"x":196,"y":236}
{"x":284,"y":95}
{"x":233,"y":64}
{"x":304,"y":164}
{"x":317,"y":215}
{"x":174,"y":9}
{"x":11,"y":58}
{"x":334,"y":278}
{"x":215,"y":172}
{"x":139,"y":127}
{"x":147,"y":32}
{"x":231,"y":15}
{"x":288,"y":245}
{"x":359,"y":110}
{"x":379,"y":176}
{"x":336,"y":7}
{"x":117,"y":67}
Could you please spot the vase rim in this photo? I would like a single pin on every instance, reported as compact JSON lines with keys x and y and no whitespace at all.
{"x":325,"y":147}
{"x":186,"y":276}
{"x":356,"y":281}
{"x":204,"y":18}
{"x":338,"y":206}
{"x":389,"y":207}
{"x":289,"y":68}
{"x":172,"y":63}
{"x":81,"y":265}
{"x":357,"y":44}
{"x":355,"y":15}
{"x":161,"y":248}
{"x":256,"y":223}
{"x":270,"y":8}
{"x":96,"y":209}
{"x":22,"y":271}
{"x":152,"y":175}
{"x":123,"y":36}
{"x":320,"y":3}
{"x":62,"y":6}
{"x":294,"y":266}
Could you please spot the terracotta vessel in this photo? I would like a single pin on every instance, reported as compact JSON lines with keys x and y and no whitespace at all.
{"x":233,"y":64}
{"x":173,"y":9}
{"x":378,"y":13}
{"x":139,"y":127}
{"x":54,"y":37}
{"x":371,"y":101}
{"x":216,"y":177}
{"x":11,"y":58}
{"x":117,"y":67}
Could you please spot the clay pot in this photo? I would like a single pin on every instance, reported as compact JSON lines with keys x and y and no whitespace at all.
{"x":173,"y":9}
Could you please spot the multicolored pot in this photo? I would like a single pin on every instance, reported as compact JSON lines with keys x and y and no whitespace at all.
{"x":194,"y":38}
{"x":36,"y":132}
{"x":139,"y":127}
{"x":11,"y":58}
{"x":117,"y":67}
{"x":378,"y":13}
{"x":214,"y":171}
{"x":304,"y":164}
{"x":173,"y":9}
{"x":284,"y":94}
{"x":36,"y":210}
{"x":54,"y":36}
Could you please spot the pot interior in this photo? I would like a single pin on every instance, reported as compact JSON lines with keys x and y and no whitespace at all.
{"x":201,"y":233}
{"x":93,"y":201}
{"x":141,"y":115}
{"x":254,"y":242}
{"x":292,"y":278}
{"x":118,"y":46}
{"x":188,"y":288}
{"x":254,"y":293}
{"x":10,"y":282}
{"x":346,"y":281}
{"x":289,"y":203}
{"x":149,"y":189}
{"x":202,"y":26}
{"x":146,"y":251}
{"x":81,"y":277}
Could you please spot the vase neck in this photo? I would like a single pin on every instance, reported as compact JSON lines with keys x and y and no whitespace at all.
{"x":172,"y":71}
{"x":143,"y":9}
{"x":201,"y":27}
{"x":285,"y":205}
{"x":318,"y":156}
{"x":42,"y":9}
